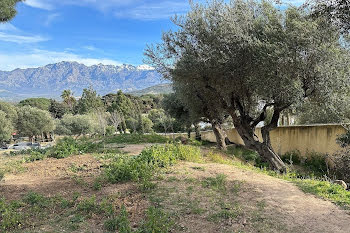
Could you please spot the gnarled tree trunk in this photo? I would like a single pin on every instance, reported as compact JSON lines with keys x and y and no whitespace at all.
{"x":246,"y":131}
{"x":219,"y":134}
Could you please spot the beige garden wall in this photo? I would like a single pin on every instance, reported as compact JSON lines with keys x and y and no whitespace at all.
{"x":317,"y":138}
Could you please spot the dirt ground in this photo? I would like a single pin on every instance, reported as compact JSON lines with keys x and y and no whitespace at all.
{"x":284,"y":203}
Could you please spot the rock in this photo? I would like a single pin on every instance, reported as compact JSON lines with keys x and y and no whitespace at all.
{"x":341,"y":183}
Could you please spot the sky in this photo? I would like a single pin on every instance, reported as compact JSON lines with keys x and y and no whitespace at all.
{"x":87,"y":31}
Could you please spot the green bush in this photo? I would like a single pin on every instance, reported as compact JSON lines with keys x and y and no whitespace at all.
{"x":35,"y":156}
{"x":137,"y":138}
{"x":10,"y":217}
{"x":316,"y":162}
{"x":141,"y":168}
{"x":69,"y":146}
{"x":64,"y":148}
{"x":292,"y":157}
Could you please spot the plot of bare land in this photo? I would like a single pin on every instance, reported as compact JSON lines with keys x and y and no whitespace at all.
{"x":200,"y":197}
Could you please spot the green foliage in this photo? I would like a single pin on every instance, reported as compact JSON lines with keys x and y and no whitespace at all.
{"x":74,"y":125}
{"x":35,"y":199}
{"x":156,"y":221}
{"x":8,"y":10}
{"x":141,"y":168}
{"x":88,"y":102}
{"x":344,"y":139}
{"x":217,"y":183}
{"x":325,"y":189}
{"x":6,"y":128}
{"x":316,"y":162}
{"x":10,"y":111}
{"x":69,"y":146}
{"x":57,"y":109}
{"x":40,"y":103}
{"x":33,"y":121}
{"x":88,"y":205}
{"x":10,"y":218}
{"x":35,"y":156}
{"x":137,"y":138}
{"x":292,"y":157}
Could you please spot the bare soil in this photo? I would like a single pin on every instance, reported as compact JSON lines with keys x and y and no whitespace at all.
{"x":266,"y":204}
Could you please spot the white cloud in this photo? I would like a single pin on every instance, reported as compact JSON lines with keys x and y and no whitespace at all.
{"x":51,"y":18}
{"x":37,"y":58}
{"x":42,"y":4}
{"x":135,"y":9}
{"x":21,"y":39}
{"x":10,"y":33}
{"x":161,"y":10}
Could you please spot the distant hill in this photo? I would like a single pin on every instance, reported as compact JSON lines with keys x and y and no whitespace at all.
{"x":49,"y":81}
{"x":165,"y":88}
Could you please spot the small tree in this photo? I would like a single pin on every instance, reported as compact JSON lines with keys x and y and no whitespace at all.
{"x":116,"y":118}
{"x":68,"y":99}
{"x":34,"y":122}
{"x":89,"y":102}
{"x":6,"y":128}
{"x":74,"y":125}
{"x":57,"y":109}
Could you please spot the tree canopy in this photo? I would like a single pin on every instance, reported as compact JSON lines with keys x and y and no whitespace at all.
{"x":8,"y":9}
{"x":249,"y":56}
{"x":33,"y":122}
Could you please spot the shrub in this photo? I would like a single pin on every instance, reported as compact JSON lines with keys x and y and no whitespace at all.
{"x":341,"y":165}
{"x":10,"y":217}
{"x":317,"y":163}
{"x":64,"y":148}
{"x":35,"y":156}
{"x":292,"y":157}
{"x":141,"y":168}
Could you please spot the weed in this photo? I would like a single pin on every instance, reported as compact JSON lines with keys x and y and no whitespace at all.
{"x":10,"y":217}
{"x":120,"y":223}
{"x":226,"y":212}
{"x":88,"y":205}
{"x":156,"y":221}
{"x":217,"y":183}
{"x":198,"y":168}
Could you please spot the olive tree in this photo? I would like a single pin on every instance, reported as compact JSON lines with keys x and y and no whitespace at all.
{"x":74,"y":125}
{"x":8,"y":9}
{"x":336,"y":11}
{"x":250,"y":56}
{"x":34,"y":122}
{"x":6,"y":128}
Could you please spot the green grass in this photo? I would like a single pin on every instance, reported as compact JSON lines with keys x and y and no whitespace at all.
{"x":137,"y":139}
{"x":217,"y":183}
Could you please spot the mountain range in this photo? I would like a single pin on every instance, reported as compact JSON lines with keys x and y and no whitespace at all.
{"x":49,"y":81}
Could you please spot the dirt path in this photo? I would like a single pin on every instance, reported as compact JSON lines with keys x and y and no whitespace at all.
{"x":286,"y":202}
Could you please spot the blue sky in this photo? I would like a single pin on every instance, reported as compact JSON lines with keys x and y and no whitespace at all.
{"x":87,"y":31}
